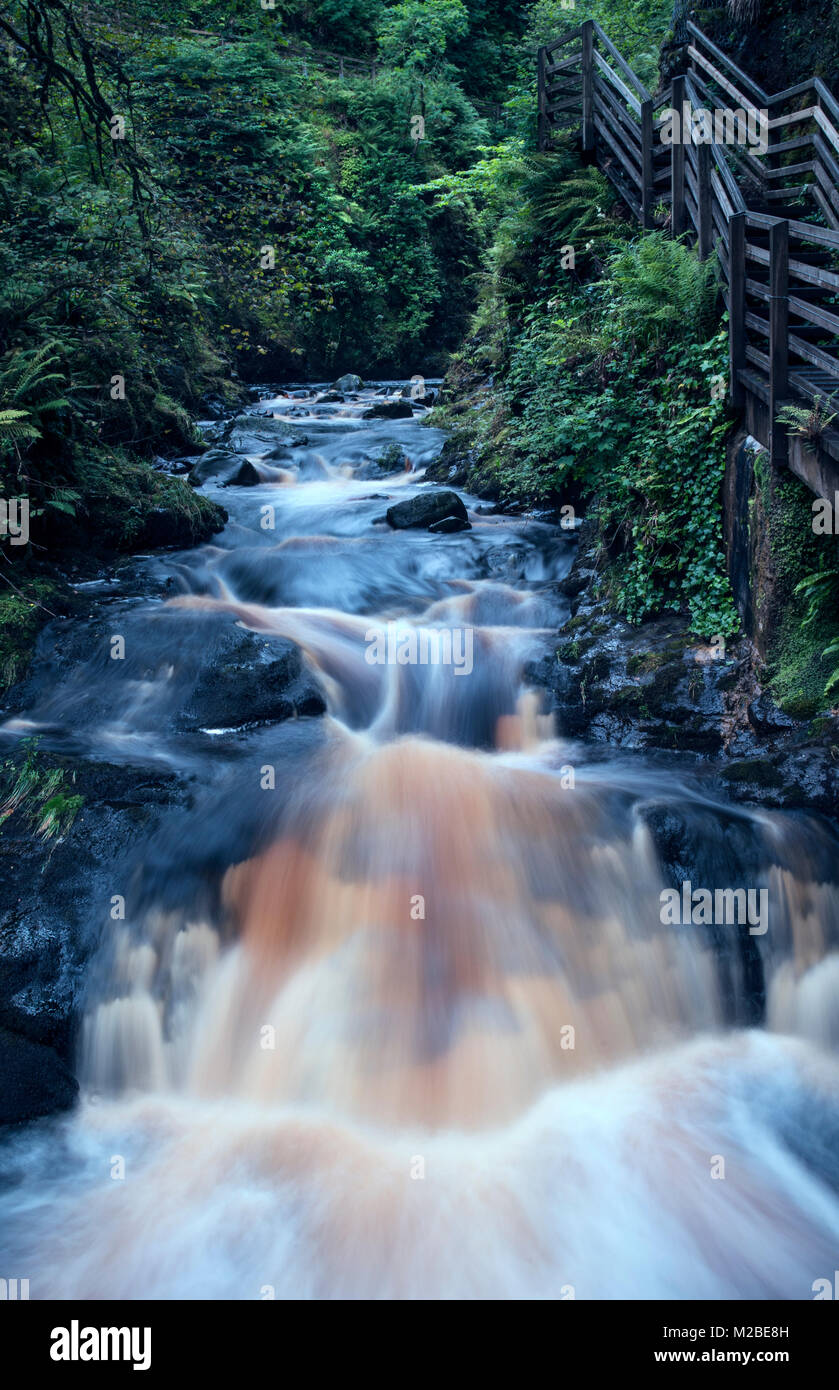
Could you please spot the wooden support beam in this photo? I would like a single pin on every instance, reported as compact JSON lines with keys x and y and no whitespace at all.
{"x":587,"y":136}
{"x":778,"y":345}
{"x":677,"y":164}
{"x":737,"y":304}
{"x":706,"y":223}
{"x":542,"y":90}
{"x":647,"y":189}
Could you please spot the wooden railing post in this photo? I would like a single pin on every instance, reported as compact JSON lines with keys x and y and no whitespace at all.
{"x":647,"y":186}
{"x":737,"y":305}
{"x":543,"y":100}
{"x":587,"y":132}
{"x":706,"y":225}
{"x":677,"y":162}
{"x":778,"y":337}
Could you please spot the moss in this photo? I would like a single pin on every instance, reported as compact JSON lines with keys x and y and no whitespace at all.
{"x":598,"y":668}
{"x":757,"y":772}
{"x":128,"y":505}
{"x":22,"y":615}
{"x":643,"y":663}
{"x":571,"y":652}
{"x":802,"y":706}
{"x":797,"y":670}
{"x":574,"y":624}
{"x":629,"y":698}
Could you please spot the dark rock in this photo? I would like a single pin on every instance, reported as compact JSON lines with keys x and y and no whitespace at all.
{"x":36,"y":1081}
{"x":174,"y":527}
{"x":249,"y":682}
{"x":388,"y":410}
{"x":330,"y":398}
{"x":756,"y":772}
{"x":246,"y":475}
{"x":426,"y":508}
{"x":217,"y":465}
{"x":766,"y":717}
{"x":54,"y":902}
{"x":348,"y":382}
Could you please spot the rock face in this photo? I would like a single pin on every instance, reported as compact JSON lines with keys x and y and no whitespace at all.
{"x":348,"y":382}
{"x":655,"y":687}
{"x":389,"y":410}
{"x":422,"y":511}
{"x":198,"y":670}
{"x":36,"y":1081}
{"x":54,"y":902}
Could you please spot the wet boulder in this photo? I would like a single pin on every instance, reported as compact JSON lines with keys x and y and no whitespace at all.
{"x":348,"y":382}
{"x":330,"y":398}
{"x":217,"y":466}
{"x":36,"y":1081}
{"x":389,"y":410}
{"x":246,"y":475}
{"x":425,"y":509}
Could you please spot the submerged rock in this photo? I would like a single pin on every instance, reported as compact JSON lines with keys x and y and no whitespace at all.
{"x":448,"y":524}
{"x":422,"y":511}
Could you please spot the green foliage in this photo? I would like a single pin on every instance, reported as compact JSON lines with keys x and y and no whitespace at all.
{"x":38,"y":793}
{"x":820,"y":592}
{"x":416,"y":33}
{"x":23,"y":611}
{"x":808,"y":422}
{"x":608,"y":373}
{"x":804,"y":594}
{"x":662,"y":291}
{"x":638,"y":27}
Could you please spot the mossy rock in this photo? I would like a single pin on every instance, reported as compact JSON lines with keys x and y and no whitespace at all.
{"x":643,"y":663}
{"x":598,"y":668}
{"x":801,"y":706}
{"x":22,"y":615}
{"x":758,"y":772}
{"x":570,"y":653}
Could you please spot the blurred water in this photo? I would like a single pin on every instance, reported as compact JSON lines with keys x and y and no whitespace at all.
{"x":408,"y":1023}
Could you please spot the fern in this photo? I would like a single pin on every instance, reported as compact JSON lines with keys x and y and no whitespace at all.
{"x":15,"y":425}
{"x":808,"y":423}
{"x":664,"y":292}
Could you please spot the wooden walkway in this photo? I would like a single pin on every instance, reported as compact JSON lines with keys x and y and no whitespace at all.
{"x":772,"y":217}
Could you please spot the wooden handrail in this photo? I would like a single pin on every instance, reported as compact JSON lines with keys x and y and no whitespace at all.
{"x":722,"y":193}
{"x":757,"y":91}
{"x":622,"y":63}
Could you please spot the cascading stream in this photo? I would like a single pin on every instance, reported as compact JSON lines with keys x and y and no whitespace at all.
{"x":396,"y":1014}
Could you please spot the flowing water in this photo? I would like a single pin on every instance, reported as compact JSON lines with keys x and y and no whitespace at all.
{"x":393,"y":1012}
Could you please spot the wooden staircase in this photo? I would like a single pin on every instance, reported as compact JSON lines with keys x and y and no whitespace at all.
{"x":771,"y":216}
